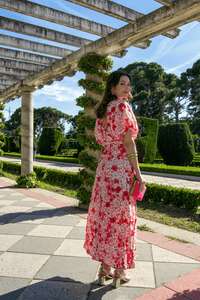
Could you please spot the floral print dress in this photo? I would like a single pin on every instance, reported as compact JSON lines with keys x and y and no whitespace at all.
{"x":112,"y":214}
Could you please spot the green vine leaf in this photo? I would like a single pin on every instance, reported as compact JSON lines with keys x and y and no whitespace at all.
{"x":84,"y":101}
{"x":93,"y":86}
{"x":88,"y":161}
{"x":88,"y":122}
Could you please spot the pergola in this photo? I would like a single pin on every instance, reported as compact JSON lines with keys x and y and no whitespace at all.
{"x":22,"y":72}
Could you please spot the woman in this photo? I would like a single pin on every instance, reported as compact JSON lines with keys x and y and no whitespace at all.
{"x":111,"y":222}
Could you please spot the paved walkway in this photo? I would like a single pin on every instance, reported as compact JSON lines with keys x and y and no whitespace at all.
{"x":174,"y":180}
{"x":42,"y":255}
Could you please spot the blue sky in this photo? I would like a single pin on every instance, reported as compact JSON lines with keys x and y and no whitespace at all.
{"x":174,"y":55}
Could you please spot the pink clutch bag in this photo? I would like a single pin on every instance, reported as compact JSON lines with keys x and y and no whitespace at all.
{"x":135,"y":191}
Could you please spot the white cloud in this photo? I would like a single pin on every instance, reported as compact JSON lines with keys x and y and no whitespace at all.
{"x":167,"y":44}
{"x":60,"y":92}
{"x":193,"y":59}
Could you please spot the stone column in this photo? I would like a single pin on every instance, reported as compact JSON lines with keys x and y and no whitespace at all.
{"x":27,"y":129}
{"x":89,"y":112}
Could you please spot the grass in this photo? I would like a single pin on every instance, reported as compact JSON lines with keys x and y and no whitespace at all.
{"x":178,"y":240}
{"x":145,"y":228}
{"x":163,"y":214}
{"x":169,"y":215}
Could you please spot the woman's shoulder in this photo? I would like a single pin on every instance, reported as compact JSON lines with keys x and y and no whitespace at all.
{"x":116,"y":102}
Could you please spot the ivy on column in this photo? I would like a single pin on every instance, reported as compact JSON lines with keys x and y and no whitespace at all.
{"x":96,"y":65}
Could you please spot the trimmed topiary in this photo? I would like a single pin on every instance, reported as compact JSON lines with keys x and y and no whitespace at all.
{"x":147,"y":139}
{"x":50,"y":140}
{"x":175,"y":144}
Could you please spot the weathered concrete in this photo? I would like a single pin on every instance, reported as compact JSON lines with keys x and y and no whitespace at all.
{"x":20,"y":65}
{"x":11,"y":77}
{"x":15,"y":72}
{"x":42,"y":32}
{"x":36,"y":58}
{"x":6,"y":82}
{"x":166,"y":2}
{"x":121,"y":12}
{"x":111,"y":9}
{"x":56,"y":16}
{"x":2,"y":87}
{"x":11,"y":41}
{"x":27,"y":129}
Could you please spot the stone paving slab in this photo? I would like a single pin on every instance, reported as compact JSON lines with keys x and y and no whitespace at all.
{"x":50,"y":257}
{"x":21,"y":265}
{"x":11,"y":288}
{"x":7,"y":241}
{"x":36,"y":245}
{"x":81,"y":270}
{"x":51,"y":231}
{"x":18,"y":229}
{"x":54,"y":290}
{"x":167,"y":272}
{"x":108,"y":293}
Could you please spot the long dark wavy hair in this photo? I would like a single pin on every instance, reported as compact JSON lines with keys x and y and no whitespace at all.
{"x":112,"y":81}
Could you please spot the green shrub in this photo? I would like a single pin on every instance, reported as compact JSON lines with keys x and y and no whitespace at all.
{"x":161,"y":194}
{"x":175,"y":144}
{"x":168,"y":195}
{"x":50,"y":140}
{"x":195,"y":126}
{"x":11,"y":144}
{"x":147,"y":139}
{"x":67,"y":178}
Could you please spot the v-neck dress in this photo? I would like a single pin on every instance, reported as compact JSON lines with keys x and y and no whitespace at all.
{"x":112,"y":215}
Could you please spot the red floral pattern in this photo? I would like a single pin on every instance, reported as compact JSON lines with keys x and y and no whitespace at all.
{"x":112,"y":214}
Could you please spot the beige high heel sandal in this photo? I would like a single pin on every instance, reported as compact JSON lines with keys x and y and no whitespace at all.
{"x":103,"y":275}
{"x":118,"y":277}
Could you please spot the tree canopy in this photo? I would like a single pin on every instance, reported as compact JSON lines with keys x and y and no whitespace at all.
{"x":43,"y":117}
{"x":148,"y":89}
{"x":191,"y":79}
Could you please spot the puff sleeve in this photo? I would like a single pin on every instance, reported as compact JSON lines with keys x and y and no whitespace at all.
{"x":121,"y":119}
{"x":99,"y":134}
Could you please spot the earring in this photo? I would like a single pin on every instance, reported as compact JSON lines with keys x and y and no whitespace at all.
{"x":112,"y":91}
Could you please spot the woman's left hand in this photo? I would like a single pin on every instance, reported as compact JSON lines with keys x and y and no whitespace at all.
{"x":142,"y":185}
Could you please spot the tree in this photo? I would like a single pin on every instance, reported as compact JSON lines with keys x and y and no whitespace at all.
{"x":43,"y":117}
{"x":49,"y":117}
{"x":191,"y":79}
{"x":74,"y":129}
{"x":149,"y":90}
{"x":177,"y":97}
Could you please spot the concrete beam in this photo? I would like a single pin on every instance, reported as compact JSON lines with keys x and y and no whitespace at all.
{"x":15,"y":72}
{"x":166,"y":2}
{"x":42,"y":32}
{"x":11,"y":41}
{"x":52,"y":15}
{"x":11,"y":77}
{"x":10,"y":63}
{"x":4,"y":52}
{"x":116,"y":10}
{"x":3,"y":87}
{"x":6,"y":82}
{"x":110,"y":8}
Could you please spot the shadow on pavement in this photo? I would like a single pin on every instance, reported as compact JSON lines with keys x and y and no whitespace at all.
{"x":56,"y":288}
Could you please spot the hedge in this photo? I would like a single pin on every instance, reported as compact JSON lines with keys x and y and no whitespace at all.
{"x":158,"y":168}
{"x":49,"y":174}
{"x":175,"y":144}
{"x":158,"y":194}
{"x":147,"y":137}
{"x":168,"y":195}
{"x":180,"y":170}
{"x":50,"y":140}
